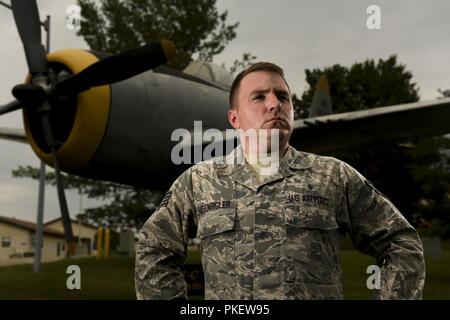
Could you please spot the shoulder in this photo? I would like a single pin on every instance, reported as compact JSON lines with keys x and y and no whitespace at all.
{"x":339,"y":170}
{"x":208,"y":170}
{"x":306,"y":160}
{"x":208,"y":167}
{"x":218,"y":166}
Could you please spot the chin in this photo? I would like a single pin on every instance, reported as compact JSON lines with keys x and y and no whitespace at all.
{"x":275,"y":125}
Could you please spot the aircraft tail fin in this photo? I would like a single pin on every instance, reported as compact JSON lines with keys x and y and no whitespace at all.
{"x":321,"y":103}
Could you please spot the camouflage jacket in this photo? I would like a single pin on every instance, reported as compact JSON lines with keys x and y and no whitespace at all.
{"x":278,"y":239}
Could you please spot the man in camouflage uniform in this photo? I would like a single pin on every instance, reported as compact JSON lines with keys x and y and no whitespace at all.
{"x":274,"y":236}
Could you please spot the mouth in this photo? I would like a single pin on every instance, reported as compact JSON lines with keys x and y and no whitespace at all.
{"x":276,"y":123}
{"x":276,"y":119}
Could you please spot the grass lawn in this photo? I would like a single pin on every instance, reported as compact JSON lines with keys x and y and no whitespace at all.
{"x":113,"y":278}
{"x":354,"y":264}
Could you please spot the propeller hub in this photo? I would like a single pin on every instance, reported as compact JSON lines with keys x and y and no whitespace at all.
{"x":29,"y":94}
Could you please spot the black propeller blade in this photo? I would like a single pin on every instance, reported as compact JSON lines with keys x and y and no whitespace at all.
{"x":27,"y":19}
{"x":36,"y":95}
{"x":118,"y":67}
{"x":49,"y":138}
{"x":12,"y":106}
{"x":28,"y":24}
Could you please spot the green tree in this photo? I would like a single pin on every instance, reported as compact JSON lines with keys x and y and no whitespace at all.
{"x":196,"y":27}
{"x":238,"y":65}
{"x":430,"y":167}
{"x":125,"y":206}
{"x":301,"y":108}
{"x":364,"y":85}
{"x":406,"y":173}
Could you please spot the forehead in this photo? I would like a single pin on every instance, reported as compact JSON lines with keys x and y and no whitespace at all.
{"x":262,"y":80}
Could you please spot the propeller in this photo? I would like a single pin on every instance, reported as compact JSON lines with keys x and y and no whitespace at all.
{"x":12,"y":106}
{"x":42,"y":88}
{"x":118,"y":67}
{"x":26,"y":16}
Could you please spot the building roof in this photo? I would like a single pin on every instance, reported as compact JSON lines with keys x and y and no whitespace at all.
{"x":30,"y":226}
{"x":73,"y":222}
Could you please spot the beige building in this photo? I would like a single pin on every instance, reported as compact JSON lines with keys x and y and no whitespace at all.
{"x":17,"y":240}
{"x":85,"y":234}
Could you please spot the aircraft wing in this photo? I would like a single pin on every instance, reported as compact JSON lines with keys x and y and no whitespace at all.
{"x":372,"y":128}
{"x":359,"y":129}
{"x":13,"y":134}
{"x":352,"y":130}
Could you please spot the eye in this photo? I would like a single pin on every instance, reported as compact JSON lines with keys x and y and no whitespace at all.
{"x":283,"y":97}
{"x":259,"y":97}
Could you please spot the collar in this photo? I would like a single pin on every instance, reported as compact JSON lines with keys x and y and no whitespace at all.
{"x":235,"y":166}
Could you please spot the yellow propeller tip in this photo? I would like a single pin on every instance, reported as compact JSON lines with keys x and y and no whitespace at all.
{"x":169,"y":49}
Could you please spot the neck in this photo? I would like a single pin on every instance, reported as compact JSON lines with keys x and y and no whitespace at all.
{"x":248,"y":150}
{"x":264,"y":156}
{"x":263,"y":143}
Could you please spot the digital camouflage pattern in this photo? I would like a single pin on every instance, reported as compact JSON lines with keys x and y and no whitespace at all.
{"x":278,"y":239}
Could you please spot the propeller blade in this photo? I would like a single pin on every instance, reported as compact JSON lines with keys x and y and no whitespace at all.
{"x":10,"y":107}
{"x":29,"y":94}
{"x":118,"y":67}
{"x":48,"y":133}
{"x":67,"y":223}
{"x":26,"y":16}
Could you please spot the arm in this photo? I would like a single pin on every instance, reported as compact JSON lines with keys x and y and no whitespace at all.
{"x":162,"y":246}
{"x":377,"y":228}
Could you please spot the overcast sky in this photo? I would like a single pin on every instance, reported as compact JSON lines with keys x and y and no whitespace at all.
{"x":294,"y":34}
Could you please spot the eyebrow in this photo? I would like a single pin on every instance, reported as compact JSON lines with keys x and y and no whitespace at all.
{"x":260,"y":91}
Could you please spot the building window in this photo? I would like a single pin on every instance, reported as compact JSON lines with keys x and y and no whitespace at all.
{"x":58,"y":249}
{"x":6,"y":242}
{"x":63,"y":246}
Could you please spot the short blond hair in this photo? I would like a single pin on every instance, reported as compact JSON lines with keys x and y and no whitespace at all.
{"x":259,"y":66}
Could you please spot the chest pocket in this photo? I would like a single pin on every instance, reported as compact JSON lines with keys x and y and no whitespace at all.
{"x":217,"y":234}
{"x":312,"y":244}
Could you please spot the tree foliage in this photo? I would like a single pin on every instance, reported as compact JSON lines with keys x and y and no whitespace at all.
{"x":196,"y":27}
{"x":238,"y":65}
{"x":125,"y":207}
{"x":414,"y":174}
{"x":364,"y":85}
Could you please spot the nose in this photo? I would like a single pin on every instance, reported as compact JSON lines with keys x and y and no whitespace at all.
{"x":272,"y":103}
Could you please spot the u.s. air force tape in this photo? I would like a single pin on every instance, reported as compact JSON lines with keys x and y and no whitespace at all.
{"x":166,"y":199}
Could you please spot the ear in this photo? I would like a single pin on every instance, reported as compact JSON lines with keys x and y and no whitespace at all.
{"x":233,"y":118}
